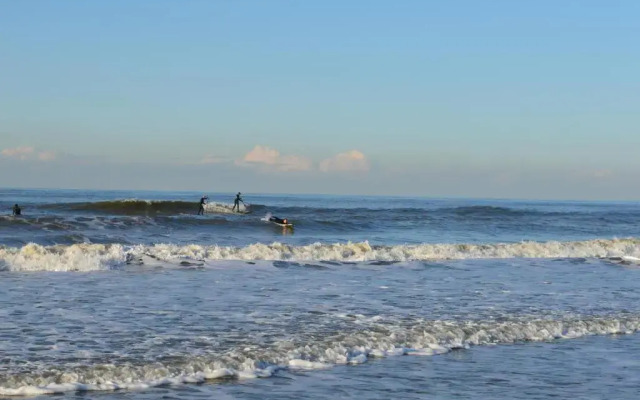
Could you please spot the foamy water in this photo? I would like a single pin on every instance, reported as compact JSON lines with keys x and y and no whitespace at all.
{"x":90,"y":257}
{"x":133,"y":292}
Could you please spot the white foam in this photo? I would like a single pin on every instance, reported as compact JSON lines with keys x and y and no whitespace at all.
{"x":358,"y":359}
{"x":87,"y":257}
{"x":420,"y":338}
{"x":77,"y":257}
{"x":223,"y":208}
{"x":307,"y":365}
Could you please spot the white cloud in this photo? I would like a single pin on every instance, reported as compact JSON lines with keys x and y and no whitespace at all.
{"x":271,"y":159}
{"x":21,"y":153}
{"x":352,"y":160}
{"x":29,"y":153}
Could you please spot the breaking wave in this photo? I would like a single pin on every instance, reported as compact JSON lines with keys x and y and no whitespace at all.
{"x":129,"y":207}
{"x":224,"y":208}
{"x":374,"y":338}
{"x":90,"y":257}
{"x":138,"y":206}
{"x":143,"y":207}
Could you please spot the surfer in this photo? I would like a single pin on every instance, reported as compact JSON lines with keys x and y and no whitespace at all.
{"x":237,"y":201}
{"x":203,"y":201}
{"x":278,"y":220}
{"x":17,"y":210}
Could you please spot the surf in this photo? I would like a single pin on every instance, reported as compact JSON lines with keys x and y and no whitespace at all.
{"x":93,"y":257}
{"x":365,"y":339}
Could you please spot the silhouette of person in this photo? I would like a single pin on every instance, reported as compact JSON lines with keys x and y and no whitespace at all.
{"x":203,"y":201}
{"x":236,"y":202}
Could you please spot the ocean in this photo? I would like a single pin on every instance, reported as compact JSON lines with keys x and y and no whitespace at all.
{"x":131,"y":295}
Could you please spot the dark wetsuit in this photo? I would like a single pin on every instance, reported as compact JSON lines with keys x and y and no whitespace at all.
{"x":236,"y":202}
{"x":203,"y":201}
{"x":17,"y":210}
{"x":278,"y":220}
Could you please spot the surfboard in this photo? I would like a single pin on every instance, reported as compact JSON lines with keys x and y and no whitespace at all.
{"x":282,"y":225}
{"x":267,"y":218}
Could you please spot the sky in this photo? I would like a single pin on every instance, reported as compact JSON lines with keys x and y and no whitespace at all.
{"x":493,"y":99}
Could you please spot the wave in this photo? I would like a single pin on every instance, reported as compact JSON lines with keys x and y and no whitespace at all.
{"x":129,"y":207}
{"x":224,"y":208}
{"x":64,"y":223}
{"x":348,"y":218}
{"x":46,"y":222}
{"x":488,"y":211}
{"x":147,"y":207}
{"x":373,"y":338}
{"x":92,"y":257}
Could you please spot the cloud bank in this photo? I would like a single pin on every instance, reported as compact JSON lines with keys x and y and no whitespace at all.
{"x":351,"y":161}
{"x":28,"y":153}
{"x":270,"y":159}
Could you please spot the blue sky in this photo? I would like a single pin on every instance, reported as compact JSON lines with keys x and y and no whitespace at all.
{"x":536,"y":99}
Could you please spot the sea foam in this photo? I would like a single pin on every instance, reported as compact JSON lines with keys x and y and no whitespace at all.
{"x":89,"y":257}
{"x":418,"y":337}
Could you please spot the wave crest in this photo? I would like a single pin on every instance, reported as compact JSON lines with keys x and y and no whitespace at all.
{"x":129,"y":207}
{"x":377,"y":339}
{"x":88,"y":257}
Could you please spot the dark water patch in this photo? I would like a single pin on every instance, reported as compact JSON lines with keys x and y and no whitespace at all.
{"x":383,"y":262}
{"x":431,"y":264}
{"x":577,"y":260}
{"x":191,"y":264}
{"x":315,"y":266}
{"x":284,"y":264}
{"x":288,"y":264}
{"x":625,"y":261}
{"x":195,"y":220}
{"x":487,"y":211}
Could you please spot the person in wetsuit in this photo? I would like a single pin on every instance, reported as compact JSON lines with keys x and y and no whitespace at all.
{"x":278,"y":220}
{"x":17,"y":210}
{"x":203,"y":201}
{"x":236,"y":202}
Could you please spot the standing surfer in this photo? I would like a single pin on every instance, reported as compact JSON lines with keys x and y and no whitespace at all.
{"x":17,"y":210}
{"x":237,"y":201}
{"x":203,"y":201}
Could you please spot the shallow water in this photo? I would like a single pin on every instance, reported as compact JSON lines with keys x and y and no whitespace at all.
{"x":193,"y":318}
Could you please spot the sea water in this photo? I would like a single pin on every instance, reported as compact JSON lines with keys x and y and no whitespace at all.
{"x":133,"y":295}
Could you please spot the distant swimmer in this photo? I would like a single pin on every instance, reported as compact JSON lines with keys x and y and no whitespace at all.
{"x":17,"y":210}
{"x":203,"y":201}
{"x":237,"y":201}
